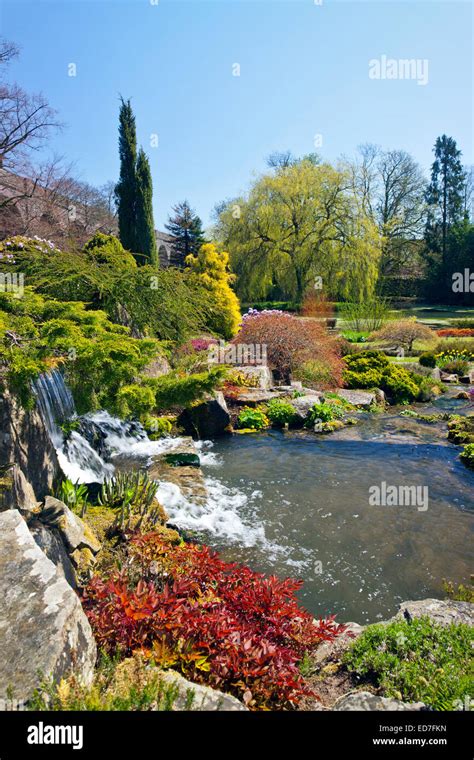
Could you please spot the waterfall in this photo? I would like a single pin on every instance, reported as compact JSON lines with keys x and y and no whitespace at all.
{"x":55,"y":403}
{"x":77,"y":458}
{"x":87,"y":452}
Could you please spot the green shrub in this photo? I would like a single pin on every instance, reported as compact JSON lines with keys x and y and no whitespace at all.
{"x":158,"y":427}
{"x":427,"y":359}
{"x":366,"y":316}
{"x":74,"y":495}
{"x":399,"y":384}
{"x":416,"y":661}
{"x":461,"y":592}
{"x":455,"y":366}
{"x":280,"y":412}
{"x":467,"y":455}
{"x":325,"y":412}
{"x":176,"y":389}
{"x":372,"y":369}
{"x":135,"y":401}
{"x":253,"y":418}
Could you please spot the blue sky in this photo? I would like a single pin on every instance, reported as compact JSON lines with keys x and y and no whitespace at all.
{"x":303,"y":72}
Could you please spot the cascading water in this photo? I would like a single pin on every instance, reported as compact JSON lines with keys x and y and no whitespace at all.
{"x":97,"y":443}
{"x":55,"y":402}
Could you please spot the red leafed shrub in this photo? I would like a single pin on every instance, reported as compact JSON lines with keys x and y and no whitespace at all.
{"x":220,"y":623}
{"x":290,"y":341}
{"x":453,"y":332}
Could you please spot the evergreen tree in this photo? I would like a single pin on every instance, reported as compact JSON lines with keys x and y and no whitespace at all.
{"x":126,"y":188}
{"x":445,"y":198}
{"x":186,"y":229}
{"x":145,"y":241}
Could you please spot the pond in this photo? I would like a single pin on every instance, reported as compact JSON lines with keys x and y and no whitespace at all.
{"x":298,"y":504}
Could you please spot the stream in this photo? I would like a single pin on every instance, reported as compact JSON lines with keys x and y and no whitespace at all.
{"x":295,"y":503}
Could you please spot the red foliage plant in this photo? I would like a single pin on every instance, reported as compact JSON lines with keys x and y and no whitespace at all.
{"x":222,"y":624}
{"x":291,"y":341}
{"x":456,"y":332}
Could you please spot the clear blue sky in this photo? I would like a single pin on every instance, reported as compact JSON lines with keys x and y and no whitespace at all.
{"x":304,"y":71}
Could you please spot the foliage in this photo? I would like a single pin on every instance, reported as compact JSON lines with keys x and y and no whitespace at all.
{"x":132,"y":495}
{"x":139,"y":688}
{"x":185,"y":227}
{"x":315,"y":374}
{"x":218,"y":623}
{"x":134,"y":192}
{"x":455,"y":347}
{"x":416,"y":661}
{"x":280,"y":412}
{"x":157,"y":427}
{"x":253,"y":418}
{"x":454,"y":365}
{"x":461,"y":592}
{"x":445,"y":198}
{"x":211,"y":265}
{"x":372,"y":369}
{"x":178,"y":389}
{"x":461,"y":429}
{"x":324,"y":412}
{"x":427,"y":359}
{"x":168,"y":304}
{"x":290,"y":342}
{"x":354,"y":336}
{"x":296,"y":224}
{"x":403,"y":333}
{"x":145,"y":240}
{"x":98,"y":357}
{"x":126,"y":188}
{"x":74,"y":495}
{"x":365,"y":316}
{"x":467,"y":455}
{"x":135,"y":401}
{"x":107,"y":250}
{"x":458,"y":332}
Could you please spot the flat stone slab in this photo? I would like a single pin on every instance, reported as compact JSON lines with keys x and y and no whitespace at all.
{"x":443,"y":612}
{"x":43,"y":627}
{"x":254,"y":397}
{"x":303,"y":404}
{"x":357,"y":398}
{"x":195,"y":697}
{"x":365,"y":701}
{"x":188,"y":478}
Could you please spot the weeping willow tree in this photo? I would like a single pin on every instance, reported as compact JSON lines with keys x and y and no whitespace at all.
{"x":298,"y":224}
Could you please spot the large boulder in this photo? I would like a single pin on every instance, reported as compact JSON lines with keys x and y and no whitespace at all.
{"x":193,"y":696}
{"x":365,"y":701}
{"x":49,"y":541}
{"x":208,"y":419}
{"x":303,"y":404}
{"x":43,"y":628}
{"x":25,"y":443}
{"x":259,"y":376}
{"x":357,"y":398}
{"x":443,"y":612}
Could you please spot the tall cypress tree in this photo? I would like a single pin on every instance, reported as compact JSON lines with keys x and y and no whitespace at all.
{"x":126,"y":187}
{"x":185,"y":227}
{"x":145,"y":228}
{"x":445,"y":196}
